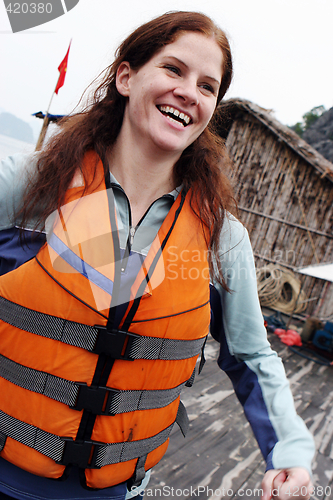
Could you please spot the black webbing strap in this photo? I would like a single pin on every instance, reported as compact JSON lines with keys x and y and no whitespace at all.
{"x":190,"y":381}
{"x":45,"y":325}
{"x":97,"y":339}
{"x":139,"y":473}
{"x":202,"y":359}
{"x":121,"y":452}
{"x":117,"y":255}
{"x":106,"y":358}
{"x":80,"y":396}
{"x":84,"y":454}
{"x":3,"y":438}
{"x":131,"y":313}
{"x":48,"y":444}
{"x":182,"y":419}
{"x":62,"y":390}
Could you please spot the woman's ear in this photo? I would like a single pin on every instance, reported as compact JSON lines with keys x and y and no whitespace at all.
{"x":122,"y":78}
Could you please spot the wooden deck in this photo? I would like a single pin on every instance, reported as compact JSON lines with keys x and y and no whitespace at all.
{"x":220,"y":454}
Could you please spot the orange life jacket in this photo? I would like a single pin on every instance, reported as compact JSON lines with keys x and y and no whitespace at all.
{"x":73,"y":389}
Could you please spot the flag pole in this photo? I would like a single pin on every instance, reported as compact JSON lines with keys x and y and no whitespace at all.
{"x":62,"y":69}
{"x":46,"y":122}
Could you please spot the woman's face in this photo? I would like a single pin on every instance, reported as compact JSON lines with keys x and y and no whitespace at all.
{"x":173,"y":96}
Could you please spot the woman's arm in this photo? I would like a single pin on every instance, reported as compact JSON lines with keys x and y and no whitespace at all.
{"x":15,"y":171}
{"x":256,"y":371}
{"x":15,"y":250}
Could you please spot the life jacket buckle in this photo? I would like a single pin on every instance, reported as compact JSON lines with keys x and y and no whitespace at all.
{"x":115,"y":343}
{"x":79,"y":453}
{"x":93,"y":398}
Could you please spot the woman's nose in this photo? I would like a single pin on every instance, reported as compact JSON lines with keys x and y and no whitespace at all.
{"x":188,"y":91}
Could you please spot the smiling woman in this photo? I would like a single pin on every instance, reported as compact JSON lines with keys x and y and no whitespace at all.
{"x":171,"y":100}
{"x":201,"y":167}
{"x":102,"y":327}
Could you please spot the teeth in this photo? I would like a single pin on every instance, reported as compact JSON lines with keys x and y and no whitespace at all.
{"x":170,"y":110}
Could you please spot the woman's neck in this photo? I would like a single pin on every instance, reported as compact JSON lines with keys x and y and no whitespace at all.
{"x":144,"y":177}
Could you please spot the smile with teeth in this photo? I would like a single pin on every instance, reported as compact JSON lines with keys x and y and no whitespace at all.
{"x":174,"y":114}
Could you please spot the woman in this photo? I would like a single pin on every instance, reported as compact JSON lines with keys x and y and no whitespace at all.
{"x":115,"y":308}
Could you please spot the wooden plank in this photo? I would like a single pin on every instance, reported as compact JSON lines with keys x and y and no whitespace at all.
{"x":286,"y":222}
{"x":220,"y":450}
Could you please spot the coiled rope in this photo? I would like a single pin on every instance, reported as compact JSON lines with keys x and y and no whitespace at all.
{"x":279,"y":289}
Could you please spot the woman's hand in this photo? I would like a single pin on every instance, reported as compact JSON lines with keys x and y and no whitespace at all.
{"x":287,"y":484}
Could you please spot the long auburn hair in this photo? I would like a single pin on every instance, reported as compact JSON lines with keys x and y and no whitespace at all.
{"x":202,"y":166}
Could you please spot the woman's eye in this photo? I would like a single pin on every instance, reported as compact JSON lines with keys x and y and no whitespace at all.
{"x":173,"y":69}
{"x":208,"y":88}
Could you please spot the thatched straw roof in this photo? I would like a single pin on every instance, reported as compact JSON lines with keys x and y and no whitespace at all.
{"x":233,"y":107}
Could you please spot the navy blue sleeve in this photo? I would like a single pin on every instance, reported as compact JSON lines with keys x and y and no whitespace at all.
{"x":244,"y":381}
{"x":256,"y":371}
{"x":15,"y":250}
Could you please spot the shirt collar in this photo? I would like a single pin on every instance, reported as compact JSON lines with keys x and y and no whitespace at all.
{"x":174,"y":193}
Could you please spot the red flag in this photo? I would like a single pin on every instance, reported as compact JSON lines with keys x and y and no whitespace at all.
{"x":62,"y":70}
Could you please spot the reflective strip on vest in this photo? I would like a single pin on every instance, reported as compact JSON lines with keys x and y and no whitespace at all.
{"x":88,"y":337}
{"x":80,"y":265}
{"x":67,"y":392}
{"x":55,"y":447}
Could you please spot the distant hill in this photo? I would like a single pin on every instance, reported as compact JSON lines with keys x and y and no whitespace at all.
{"x":14,"y":127}
{"x":320,"y":135}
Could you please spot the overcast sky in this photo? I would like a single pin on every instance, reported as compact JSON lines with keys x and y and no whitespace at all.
{"x":283,"y":52}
